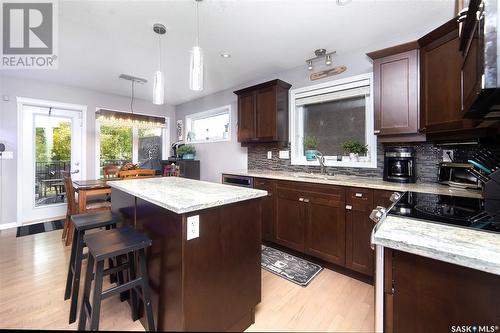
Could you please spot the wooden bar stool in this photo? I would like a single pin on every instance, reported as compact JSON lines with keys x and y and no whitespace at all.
{"x":108,"y":245}
{"x":82,"y":223}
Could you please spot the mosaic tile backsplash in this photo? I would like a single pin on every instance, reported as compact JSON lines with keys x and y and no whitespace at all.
{"x":427,"y":160}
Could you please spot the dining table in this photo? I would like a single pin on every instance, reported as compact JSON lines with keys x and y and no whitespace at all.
{"x":90,"y":188}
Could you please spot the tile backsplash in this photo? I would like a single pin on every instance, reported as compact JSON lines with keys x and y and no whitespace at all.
{"x":427,"y":160}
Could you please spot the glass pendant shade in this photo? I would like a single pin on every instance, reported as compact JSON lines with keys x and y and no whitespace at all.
{"x":159,"y":88}
{"x":196,"y":69}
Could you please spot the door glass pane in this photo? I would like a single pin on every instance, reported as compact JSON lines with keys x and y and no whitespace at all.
{"x":116,"y":145}
{"x":52,"y":155}
{"x":150,"y":144}
{"x":335,"y":122}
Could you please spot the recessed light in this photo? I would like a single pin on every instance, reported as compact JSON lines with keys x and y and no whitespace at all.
{"x":225,"y":55}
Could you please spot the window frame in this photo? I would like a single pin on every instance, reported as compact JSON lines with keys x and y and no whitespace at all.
{"x":296,"y":124}
{"x":188,"y":119}
{"x":135,"y":139}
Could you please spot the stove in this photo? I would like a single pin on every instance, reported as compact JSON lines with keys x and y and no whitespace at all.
{"x":452,"y":210}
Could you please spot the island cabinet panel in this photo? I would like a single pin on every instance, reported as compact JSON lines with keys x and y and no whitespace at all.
{"x":433,"y":296}
{"x":263,"y":113}
{"x":208,"y":283}
{"x":359,"y":254}
{"x":325,"y":224}
{"x":267,"y":207}
{"x":289,"y":226}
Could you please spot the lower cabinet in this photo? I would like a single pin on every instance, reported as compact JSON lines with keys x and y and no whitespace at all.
{"x":289,"y":223}
{"x":359,"y":254}
{"x":267,"y":207}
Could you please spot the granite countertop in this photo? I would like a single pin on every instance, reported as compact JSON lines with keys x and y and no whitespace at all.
{"x":456,"y":245}
{"x":182,"y":195}
{"x":365,"y":182}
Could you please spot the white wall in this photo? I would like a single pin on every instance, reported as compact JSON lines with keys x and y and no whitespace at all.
{"x":13,"y":88}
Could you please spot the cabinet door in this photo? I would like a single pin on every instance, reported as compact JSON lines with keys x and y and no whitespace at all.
{"x":289,"y":226}
{"x":267,"y":208}
{"x":382,"y":198}
{"x":266,"y":114}
{"x":472,"y":70}
{"x":359,"y":255}
{"x":246,"y":117}
{"x":396,"y":87}
{"x":441,"y":108}
{"x":325,"y":236}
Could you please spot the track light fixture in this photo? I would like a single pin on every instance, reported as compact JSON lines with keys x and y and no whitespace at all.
{"x":320,"y":54}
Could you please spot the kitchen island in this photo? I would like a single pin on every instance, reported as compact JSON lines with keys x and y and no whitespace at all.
{"x":204,"y":264}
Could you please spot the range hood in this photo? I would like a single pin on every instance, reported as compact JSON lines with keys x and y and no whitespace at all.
{"x":484,"y":14}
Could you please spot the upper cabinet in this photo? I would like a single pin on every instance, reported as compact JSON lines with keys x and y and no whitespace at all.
{"x":396,"y":84}
{"x":263,"y":112}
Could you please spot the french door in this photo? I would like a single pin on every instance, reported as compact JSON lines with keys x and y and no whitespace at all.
{"x":51,"y":142}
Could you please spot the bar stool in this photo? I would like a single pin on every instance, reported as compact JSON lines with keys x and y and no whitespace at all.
{"x":82,"y":223}
{"x":113,"y":244}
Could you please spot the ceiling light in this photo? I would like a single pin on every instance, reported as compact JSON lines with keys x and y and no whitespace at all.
{"x":310,"y":65}
{"x":225,"y":55}
{"x":196,"y":62}
{"x":343,"y":2}
{"x":328,"y":60}
{"x":159,"y":80}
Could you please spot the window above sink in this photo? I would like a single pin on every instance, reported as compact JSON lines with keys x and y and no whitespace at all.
{"x":334,"y":112}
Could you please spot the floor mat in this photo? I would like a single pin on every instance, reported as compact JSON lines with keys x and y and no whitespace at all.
{"x":287,"y":266}
{"x":39,"y":228}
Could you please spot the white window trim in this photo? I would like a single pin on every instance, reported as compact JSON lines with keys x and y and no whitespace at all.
{"x":296,"y":130}
{"x":205,"y":114}
{"x":135,"y":141}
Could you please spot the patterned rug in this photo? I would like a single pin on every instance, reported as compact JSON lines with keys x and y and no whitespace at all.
{"x":290,"y":267}
{"x":39,"y":227}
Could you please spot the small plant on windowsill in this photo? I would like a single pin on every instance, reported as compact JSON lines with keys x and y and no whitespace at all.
{"x":187,"y":152}
{"x":311,"y":144}
{"x":355,"y":149}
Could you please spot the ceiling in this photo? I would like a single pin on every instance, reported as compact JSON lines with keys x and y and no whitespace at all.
{"x":98,"y":40}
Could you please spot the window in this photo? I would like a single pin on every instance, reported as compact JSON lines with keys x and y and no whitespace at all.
{"x":118,"y":145}
{"x":209,"y":126}
{"x":333,"y":113}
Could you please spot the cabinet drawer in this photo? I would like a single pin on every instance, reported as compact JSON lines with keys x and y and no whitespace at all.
{"x":336,"y":192}
{"x":356,"y":195}
{"x":262,"y":183}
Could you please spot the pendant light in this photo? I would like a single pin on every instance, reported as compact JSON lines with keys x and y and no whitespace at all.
{"x":196,"y":63}
{"x":159,"y":79}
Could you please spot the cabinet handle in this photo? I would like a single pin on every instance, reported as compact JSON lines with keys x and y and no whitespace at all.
{"x":306,"y":200}
{"x":376,"y":132}
{"x":358,"y":195}
{"x":301,"y":199}
{"x":348,"y":207}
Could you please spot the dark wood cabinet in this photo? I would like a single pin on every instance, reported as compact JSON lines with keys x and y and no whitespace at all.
{"x":359,"y":254}
{"x":472,"y":68}
{"x":263,"y":112}
{"x":325,"y":225}
{"x":267,"y":205}
{"x":382,"y":198}
{"x":187,"y":168}
{"x":427,"y":295}
{"x":289,"y":223}
{"x":396,"y":87}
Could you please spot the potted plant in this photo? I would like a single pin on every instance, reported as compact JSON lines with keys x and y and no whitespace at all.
{"x":310,"y":147}
{"x":187,"y":152}
{"x":354,"y":149}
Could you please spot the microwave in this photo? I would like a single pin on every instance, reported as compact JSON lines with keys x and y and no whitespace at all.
{"x":456,"y":175}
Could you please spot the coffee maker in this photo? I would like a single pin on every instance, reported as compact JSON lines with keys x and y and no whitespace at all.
{"x":399,"y":165}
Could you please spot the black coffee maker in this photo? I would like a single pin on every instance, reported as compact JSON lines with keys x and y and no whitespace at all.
{"x":399,"y":165}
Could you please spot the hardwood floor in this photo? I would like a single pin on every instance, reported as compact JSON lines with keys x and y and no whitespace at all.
{"x":33,"y":274}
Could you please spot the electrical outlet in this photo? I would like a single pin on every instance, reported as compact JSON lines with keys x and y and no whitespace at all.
{"x":7,"y":155}
{"x":284,"y":154}
{"x":269,"y":155}
{"x":447,"y":155}
{"x":193,"y":227}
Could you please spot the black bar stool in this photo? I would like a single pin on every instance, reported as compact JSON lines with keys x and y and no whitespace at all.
{"x":82,"y":223}
{"x":111,"y":244}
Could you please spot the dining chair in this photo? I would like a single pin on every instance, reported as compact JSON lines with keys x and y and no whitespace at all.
{"x":111,"y":171}
{"x":171,"y":170}
{"x":93,"y":205}
{"x":137,"y":173}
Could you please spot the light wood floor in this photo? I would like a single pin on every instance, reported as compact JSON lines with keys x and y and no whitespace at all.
{"x":33,"y":274}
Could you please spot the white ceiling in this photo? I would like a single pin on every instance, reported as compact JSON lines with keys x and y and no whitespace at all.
{"x":98,"y":40}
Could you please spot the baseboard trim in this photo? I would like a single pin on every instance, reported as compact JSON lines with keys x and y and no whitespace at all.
{"x":5,"y":226}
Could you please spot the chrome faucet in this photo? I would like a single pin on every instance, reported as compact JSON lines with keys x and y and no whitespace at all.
{"x":321,"y":159}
